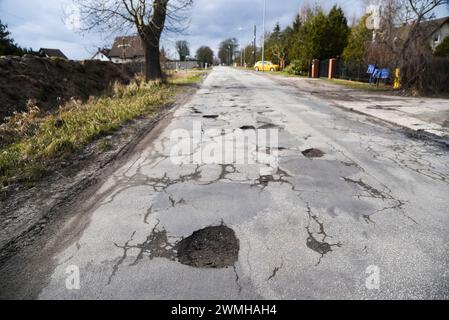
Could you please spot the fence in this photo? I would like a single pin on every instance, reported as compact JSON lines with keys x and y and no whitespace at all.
{"x":351,"y":70}
{"x":324,"y":69}
{"x":433,"y":77}
{"x":175,"y":65}
{"x":139,"y":67}
{"x":133,"y":67}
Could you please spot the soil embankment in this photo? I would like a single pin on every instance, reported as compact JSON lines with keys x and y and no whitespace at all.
{"x":47,"y":83}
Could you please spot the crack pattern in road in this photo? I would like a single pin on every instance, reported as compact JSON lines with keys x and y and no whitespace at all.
{"x":156,"y":245}
{"x":275,"y":271}
{"x":320,"y":246}
{"x":281,"y":176}
{"x":373,"y":193}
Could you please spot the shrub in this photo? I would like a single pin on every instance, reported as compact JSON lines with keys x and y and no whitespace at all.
{"x":433,"y":79}
{"x":443,"y":49}
{"x":297,"y":67}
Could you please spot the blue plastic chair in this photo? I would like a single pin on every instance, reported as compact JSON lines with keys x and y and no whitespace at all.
{"x":385,"y":74}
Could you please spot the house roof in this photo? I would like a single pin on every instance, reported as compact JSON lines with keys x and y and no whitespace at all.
{"x":103,"y":51}
{"x":133,"y":47}
{"x":433,"y":25}
{"x":426,"y":28}
{"x":52,"y":53}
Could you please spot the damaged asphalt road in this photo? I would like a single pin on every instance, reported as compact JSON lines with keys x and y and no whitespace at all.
{"x":349,"y":194}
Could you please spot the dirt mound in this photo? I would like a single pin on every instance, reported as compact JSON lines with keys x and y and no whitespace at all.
{"x":212,"y":247}
{"x":50,"y":82}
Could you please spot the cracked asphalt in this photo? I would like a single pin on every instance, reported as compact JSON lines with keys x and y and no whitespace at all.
{"x":309,"y":230}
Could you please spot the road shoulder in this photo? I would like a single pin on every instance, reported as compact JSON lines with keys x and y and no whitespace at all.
{"x":426,"y":117}
{"x":25,"y":214}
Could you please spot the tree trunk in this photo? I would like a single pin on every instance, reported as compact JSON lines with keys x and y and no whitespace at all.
{"x":153,"y":70}
{"x":151,"y":36}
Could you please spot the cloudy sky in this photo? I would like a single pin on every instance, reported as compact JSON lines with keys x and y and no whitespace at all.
{"x":45,"y":23}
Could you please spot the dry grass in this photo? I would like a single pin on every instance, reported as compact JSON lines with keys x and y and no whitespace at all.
{"x":360,"y":85}
{"x":31,"y":142}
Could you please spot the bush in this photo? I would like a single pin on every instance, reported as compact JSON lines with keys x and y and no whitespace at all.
{"x":297,"y":67}
{"x":433,"y":79}
{"x":443,"y":49}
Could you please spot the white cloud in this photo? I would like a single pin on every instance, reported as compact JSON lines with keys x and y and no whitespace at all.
{"x":72,"y":17}
{"x":48,"y":23}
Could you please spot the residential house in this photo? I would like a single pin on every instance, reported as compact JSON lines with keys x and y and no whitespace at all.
{"x":130,"y":49}
{"x":52,"y":53}
{"x":438,"y":30}
{"x":434,"y":31}
{"x":127,"y":49}
{"x":102,"y":55}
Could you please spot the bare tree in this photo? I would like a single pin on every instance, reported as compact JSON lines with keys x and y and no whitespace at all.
{"x":404,"y":36}
{"x":183,"y":49}
{"x":148,"y":17}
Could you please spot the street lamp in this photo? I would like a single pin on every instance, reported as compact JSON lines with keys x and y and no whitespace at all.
{"x":253,"y":44}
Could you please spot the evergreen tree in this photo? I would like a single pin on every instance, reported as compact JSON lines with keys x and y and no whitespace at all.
{"x":337,"y":33}
{"x":358,"y":41}
{"x":276,"y":46}
{"x":7,"y":45}
{"x":312,"y":35}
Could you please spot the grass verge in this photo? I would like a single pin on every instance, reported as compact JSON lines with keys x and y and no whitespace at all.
{"x":35,"y":142}
{"x":347,"y":83}
{"x":359,"y":85}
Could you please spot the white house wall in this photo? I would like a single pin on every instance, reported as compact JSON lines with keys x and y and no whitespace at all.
{"x":443,"y":32}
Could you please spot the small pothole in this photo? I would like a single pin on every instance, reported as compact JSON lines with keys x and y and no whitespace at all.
{"x":244,"y":128}
{"x":212,"y":247}
{"x":212,"y":116}
{"x":313,"y":153}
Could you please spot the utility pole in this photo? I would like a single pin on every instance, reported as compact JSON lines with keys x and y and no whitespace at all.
{"x":232,"y":48}
{"x":263,"y":36}
{"x":255,"y":45}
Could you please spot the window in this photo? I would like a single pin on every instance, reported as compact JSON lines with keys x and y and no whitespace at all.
{"x":437,"y":38}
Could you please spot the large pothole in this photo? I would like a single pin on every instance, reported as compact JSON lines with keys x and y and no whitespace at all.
{"x":212,"y":247}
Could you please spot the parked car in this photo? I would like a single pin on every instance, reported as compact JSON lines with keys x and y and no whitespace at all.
{"x":267,"y":66}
